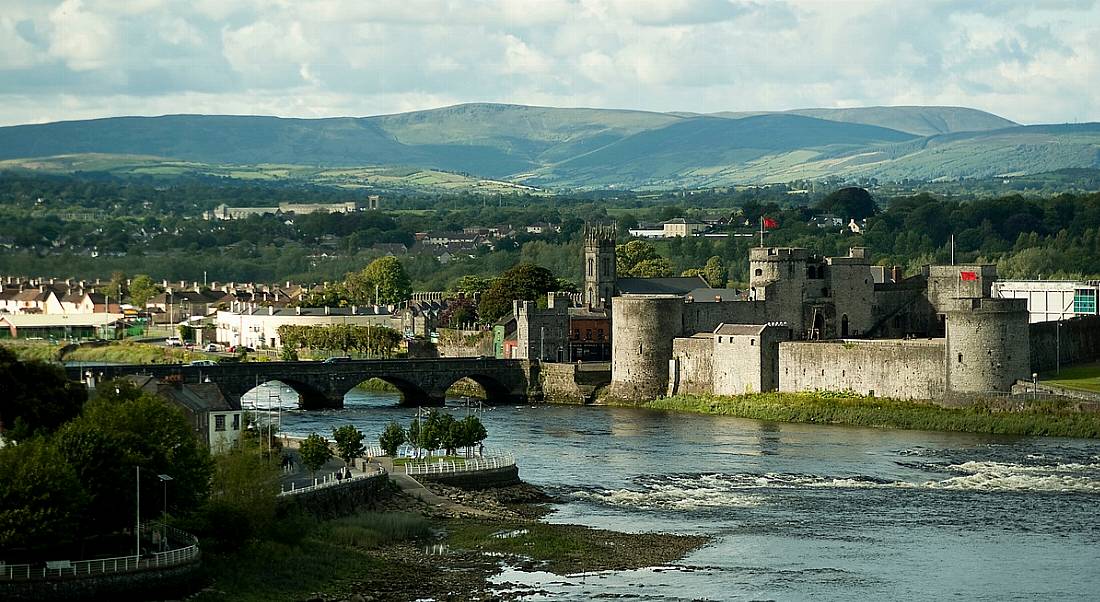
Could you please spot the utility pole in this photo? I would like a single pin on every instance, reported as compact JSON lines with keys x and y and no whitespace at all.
{"x":542,"y":343}
{"x":137,"y":508}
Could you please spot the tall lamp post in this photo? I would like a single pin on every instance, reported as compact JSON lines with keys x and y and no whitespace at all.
{"x":137,"y":512}
{"x":164,"y":512}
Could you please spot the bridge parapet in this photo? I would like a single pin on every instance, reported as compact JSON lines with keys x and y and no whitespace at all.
{"x":324,"y":384}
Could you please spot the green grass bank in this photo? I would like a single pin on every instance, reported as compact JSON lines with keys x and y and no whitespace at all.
{"x":1035,"y":418}
{"x":1084,"y":377}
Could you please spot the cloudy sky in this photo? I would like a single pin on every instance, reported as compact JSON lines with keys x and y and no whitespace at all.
{"x":1030,"y":61}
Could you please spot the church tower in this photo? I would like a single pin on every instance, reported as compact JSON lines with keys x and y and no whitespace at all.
{"x":599,"y":265}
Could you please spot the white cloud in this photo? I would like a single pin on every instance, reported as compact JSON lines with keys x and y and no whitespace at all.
{"x":81,"y":58}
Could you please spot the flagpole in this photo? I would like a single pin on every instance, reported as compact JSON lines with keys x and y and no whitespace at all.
{"x":761,"y":231}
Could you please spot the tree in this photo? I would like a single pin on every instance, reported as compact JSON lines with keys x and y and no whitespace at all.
{"x":349,"y":443}
{"x":652,"y":268}
{"x":849,"y":203}
{"x":187,"y":333}
{"x":35,"y":397}
{"x":157,"y":437}
{"x":315,"y":451}
{"x":244,"y":491}
{"x":41,"y":498}
{"x":471,"y":284}
{"x":525,"y":281}
{"x":639,"y":259}
{"x":715,"y":272}
{"x":142,"y":289}
{"x":449,"y":435}
{"x":459,"y":312}
{"x":471,"y":431}
{"x":100,"y":461}
{"x":116,"y":287}
{"x":384,"y":279}
{"x":391,"y":438}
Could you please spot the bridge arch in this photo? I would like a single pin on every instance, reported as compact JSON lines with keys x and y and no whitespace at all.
{"x":410,"y":393}
{"x":495,"y":391}
{"x":309,"y":396}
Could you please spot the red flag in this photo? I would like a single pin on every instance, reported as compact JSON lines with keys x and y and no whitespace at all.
{"x":968,"y":275}
{"x":770,"y":223}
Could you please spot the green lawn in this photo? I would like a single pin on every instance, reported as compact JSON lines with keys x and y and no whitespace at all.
{"x":1085,"y":377}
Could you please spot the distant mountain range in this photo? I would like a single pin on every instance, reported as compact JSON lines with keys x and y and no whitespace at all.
{"x":588,"y":148}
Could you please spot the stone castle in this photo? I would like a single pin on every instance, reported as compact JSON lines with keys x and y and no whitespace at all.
{"x":832,"y":323}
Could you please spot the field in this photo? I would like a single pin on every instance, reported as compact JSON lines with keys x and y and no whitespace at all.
{"x":1085,"y":377}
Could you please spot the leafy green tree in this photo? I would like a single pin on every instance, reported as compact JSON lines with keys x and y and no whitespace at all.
{"x":449,"y":434}
{"x":413,"y":432}
{"x":157,"y":437}
{"x":653,"y":268}
{"x":349,"y":443}
{"x":315,"y":451}
{"x":391,"y":438}
{"x":244,"y":489}
{"x":333,"y":295}
{"x":384,"y":279}
{"x":35,"y":397}
{"x":849,"y":203}
{"x":471,"y":283}
{"x":142,"y":289}
{"x":639,"y":259}
{"x":471,"y":431}
{"x":187,"y":333}
{"x":116,"y":288}
{"x":715,"y":272}
{"x":41,"y":498}
{"x":525,"y":281}
{"x":103,"y":465}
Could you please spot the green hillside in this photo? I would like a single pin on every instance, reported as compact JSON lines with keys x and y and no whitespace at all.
{"x":490,"y":146}
{"x":922,"y":121}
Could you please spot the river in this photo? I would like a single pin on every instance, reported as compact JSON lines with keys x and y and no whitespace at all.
{"x":797,"y":511}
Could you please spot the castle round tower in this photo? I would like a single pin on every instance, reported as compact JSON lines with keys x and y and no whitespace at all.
{"x":641,"y":344}
{"x":988,"y":344}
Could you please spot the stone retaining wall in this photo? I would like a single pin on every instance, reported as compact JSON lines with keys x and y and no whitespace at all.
{"x":479,"y":479}
{"x":340,"y":499}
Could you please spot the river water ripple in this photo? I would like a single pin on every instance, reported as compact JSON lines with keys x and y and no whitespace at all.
{"x":798,"y":512}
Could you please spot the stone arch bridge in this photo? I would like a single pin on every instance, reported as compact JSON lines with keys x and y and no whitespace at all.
{"x":323,"y":385}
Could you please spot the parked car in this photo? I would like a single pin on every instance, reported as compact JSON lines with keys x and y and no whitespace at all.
{"x":173,"y":342}
{"x":213,"y":347}
{"x":204,"y":363}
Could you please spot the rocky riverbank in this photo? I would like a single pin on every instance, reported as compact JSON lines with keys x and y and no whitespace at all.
{"x":468,"y":548}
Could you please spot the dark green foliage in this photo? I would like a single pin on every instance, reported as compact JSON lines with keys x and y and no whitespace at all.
{"x":41,"y":500}
{"x":348,"y":441}
{"x":104,"y":466}
{"x":156,"y":436}
{"x":35,"y":397}
{"x":849,"y":203}
{"x":525,"y":281}
{"x":315,"y":451}
{"x":392,"y":437}
{"x":378,"y":340}
{"x":639,"y":259}
{"x":382,"y":282}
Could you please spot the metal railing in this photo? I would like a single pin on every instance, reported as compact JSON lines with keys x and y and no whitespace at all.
{"x":57,"y":569}
{"x":328,"y":480}
{"x":442,"y":466}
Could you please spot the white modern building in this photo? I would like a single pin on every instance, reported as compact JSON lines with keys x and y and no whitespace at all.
{"x":258,"y":327}
{"x":1050,"y":300}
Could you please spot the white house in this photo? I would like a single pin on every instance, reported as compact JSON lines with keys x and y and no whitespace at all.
{"x":258,"y":327}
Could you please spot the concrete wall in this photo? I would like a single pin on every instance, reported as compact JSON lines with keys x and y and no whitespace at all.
{"x":691,"y":367}
{"x":1077,"y":340}
{"x":886,"y":368}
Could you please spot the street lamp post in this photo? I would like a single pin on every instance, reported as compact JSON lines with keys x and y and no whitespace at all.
{"x":164,"y":512}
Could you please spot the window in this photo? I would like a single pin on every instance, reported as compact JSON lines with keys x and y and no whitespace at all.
{"x":588,"y":334}
{"x":591,"y":267}
{"x":752,"y":342}
{"x":236,"y":422}
{"x":759,"y":272}
{"x":576,"y":334}
{"x":219,"y":422}
{"x":960,"y":358}
{"x":1084,"y":301}
{"x":599,"y":334}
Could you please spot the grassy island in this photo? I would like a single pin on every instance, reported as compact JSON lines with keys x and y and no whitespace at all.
{"x":822,"y":407}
